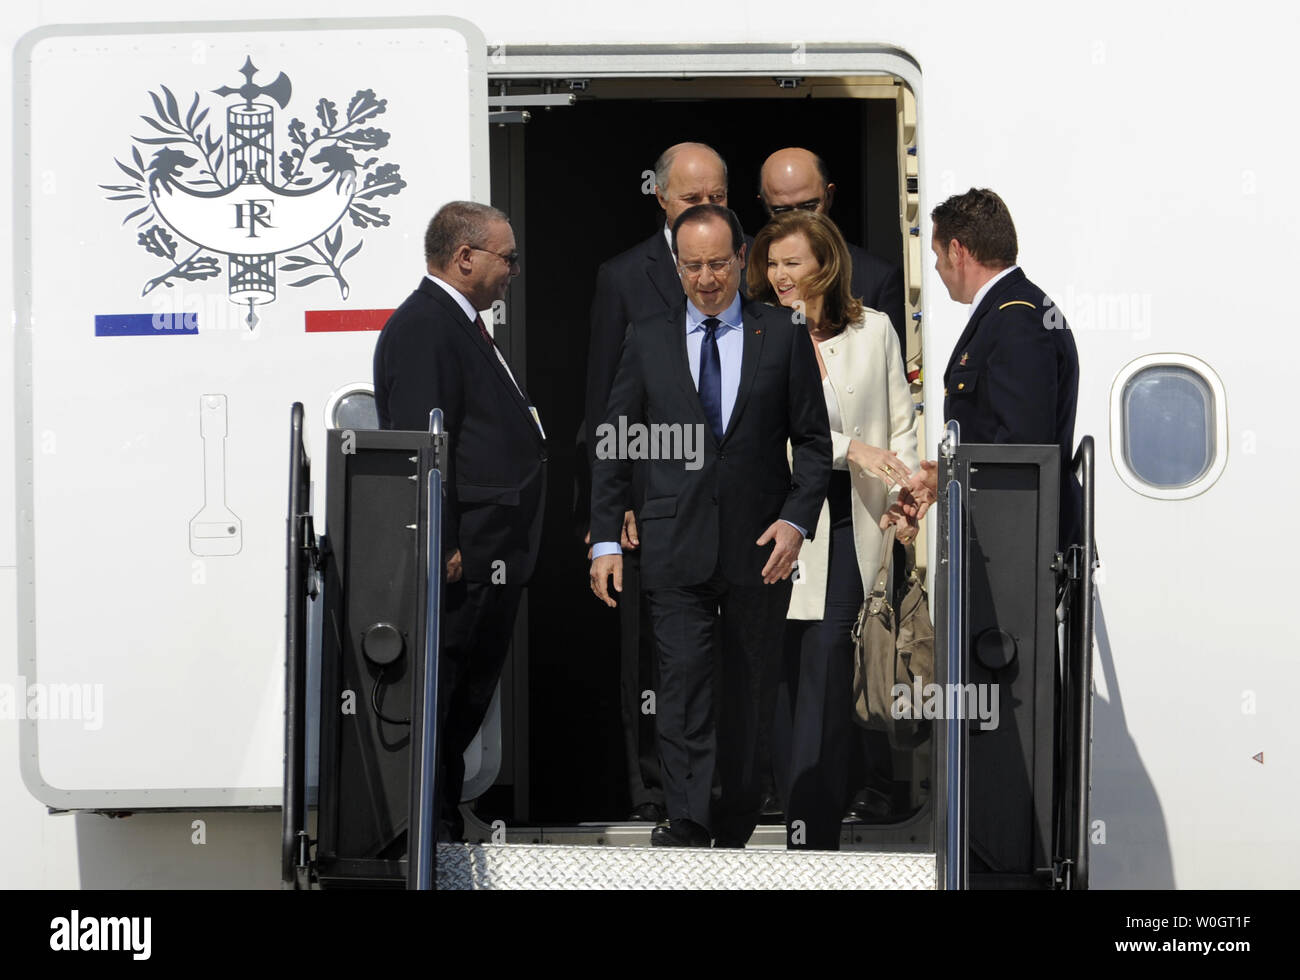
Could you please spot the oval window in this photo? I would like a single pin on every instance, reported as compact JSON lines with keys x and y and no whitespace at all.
{"x":1168,"y":426}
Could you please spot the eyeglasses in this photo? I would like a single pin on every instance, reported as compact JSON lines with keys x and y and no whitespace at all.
{"x":511,"y":258}
{"x":811,"y":205}
{"x":717,"y":267}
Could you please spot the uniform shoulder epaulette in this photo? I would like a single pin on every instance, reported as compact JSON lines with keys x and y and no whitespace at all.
{"x":1018,"y":302}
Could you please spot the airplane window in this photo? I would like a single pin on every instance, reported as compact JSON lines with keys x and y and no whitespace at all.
{"x":352,"y":407}
{"x":1168,"y":426}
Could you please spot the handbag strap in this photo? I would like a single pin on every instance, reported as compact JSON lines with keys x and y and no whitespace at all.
{"x":887,"y":558}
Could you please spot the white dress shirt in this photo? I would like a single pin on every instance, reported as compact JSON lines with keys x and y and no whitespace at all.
{"x":984,"y":290}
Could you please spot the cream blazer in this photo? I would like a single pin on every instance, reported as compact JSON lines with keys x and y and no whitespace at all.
{"x":866,"y":371}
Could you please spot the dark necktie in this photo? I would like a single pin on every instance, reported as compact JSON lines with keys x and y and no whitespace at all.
{"x":711,"y":376}
{"x":482,"y":328}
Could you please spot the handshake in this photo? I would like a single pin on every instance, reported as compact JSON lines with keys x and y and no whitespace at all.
{"x":915,"y":495}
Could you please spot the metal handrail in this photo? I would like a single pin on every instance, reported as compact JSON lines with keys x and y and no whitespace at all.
{"x":423,"y":842}
{"x":1085,"y":461}
{"x":294,"y":845}
{"x":955,"y":831}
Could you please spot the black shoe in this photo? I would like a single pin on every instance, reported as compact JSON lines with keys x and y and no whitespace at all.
{"x":771,"y":805}
{"x":647,"y":813}
{"x":680,"y":833}
{"x":871,"y":806}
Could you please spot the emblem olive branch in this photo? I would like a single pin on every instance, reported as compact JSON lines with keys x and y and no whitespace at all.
{"x":185,"y":141}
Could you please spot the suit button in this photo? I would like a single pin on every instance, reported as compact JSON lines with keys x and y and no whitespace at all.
{"x":542,"y":456}
{"x":849,"y":389}
{"x":715,"y":498}
{"x":857,"y":430}
{"x":722,"y":456}
{"x":961,"y":386}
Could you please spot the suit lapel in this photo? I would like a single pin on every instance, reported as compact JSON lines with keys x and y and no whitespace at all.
{"x":471,"y":331}
{"x":978,"y":314}
{"x":752,"y":340}
{"x":662,"y":272}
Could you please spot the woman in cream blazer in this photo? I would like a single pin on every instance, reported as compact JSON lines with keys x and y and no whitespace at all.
{"x":800,"y":260}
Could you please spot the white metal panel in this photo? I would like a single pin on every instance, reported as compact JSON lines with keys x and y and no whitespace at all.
{"x":152,"y":540}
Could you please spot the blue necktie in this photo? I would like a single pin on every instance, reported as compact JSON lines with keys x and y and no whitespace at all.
{"x":711,"y":376}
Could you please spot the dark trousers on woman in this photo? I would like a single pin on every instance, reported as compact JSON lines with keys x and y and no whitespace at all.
{"x":818,"y":665}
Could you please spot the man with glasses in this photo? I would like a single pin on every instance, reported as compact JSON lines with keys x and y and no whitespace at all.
{"x":634,"y":285}
{"x":435,"y":351}
{"x":720,"y":531}
{"x":797,"y":178}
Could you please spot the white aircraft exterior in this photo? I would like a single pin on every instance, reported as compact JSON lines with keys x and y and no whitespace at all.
{"x":1145,"y":154}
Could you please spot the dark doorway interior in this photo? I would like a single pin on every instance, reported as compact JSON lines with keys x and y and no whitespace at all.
{"x":582,"y":174}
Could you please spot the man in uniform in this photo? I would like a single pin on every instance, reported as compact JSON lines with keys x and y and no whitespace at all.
{"x":1014,"y":375}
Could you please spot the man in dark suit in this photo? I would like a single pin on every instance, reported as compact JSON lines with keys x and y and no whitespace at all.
{"x":797,"y":178}
{"x":1013,"y":376}
{"x":633,"y":286}
{"x":435,"y":352}
{"x":746,"y":379}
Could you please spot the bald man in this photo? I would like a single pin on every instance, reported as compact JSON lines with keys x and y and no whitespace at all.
{"x":636,"y":285}
{"x":797,"y":178}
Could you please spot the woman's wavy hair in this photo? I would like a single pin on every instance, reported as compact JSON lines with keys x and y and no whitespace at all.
{"x":831,"y":281}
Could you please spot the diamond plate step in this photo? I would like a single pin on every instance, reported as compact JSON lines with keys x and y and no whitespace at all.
{"x":532,"y":866}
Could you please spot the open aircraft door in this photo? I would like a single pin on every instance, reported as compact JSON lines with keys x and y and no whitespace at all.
{"x":212,"y":221}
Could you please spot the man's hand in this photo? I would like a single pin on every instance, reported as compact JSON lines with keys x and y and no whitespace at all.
{"x":453,"y":567}
{"x":629,"y":539}
{"x":921,"y":491}
{"x":781,"y":562}
{"x":896,"y":516}
{"x":880,"y":463}
{"x":601,"y":569}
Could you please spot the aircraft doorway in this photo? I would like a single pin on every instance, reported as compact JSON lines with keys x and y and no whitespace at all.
{"x":574,"y":181}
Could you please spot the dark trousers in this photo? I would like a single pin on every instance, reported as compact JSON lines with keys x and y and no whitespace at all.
{"x":638,"y":673}
{"x":818,"y":673}
{"x":477,"y":622}
{"x":707,"y":721}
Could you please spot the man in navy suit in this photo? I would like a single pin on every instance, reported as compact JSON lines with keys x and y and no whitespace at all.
{"x":633,"y":286}
{"x":721,"y":526}
{"x":798,"y":178}
{"x":435,"y":352}
{"x":1013,"y":375}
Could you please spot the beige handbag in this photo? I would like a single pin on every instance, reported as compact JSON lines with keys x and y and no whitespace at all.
{"x":893,"y":649}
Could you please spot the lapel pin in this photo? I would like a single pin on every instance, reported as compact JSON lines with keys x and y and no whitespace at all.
{"x":757,"y":331}
{"x":964,"y":358}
